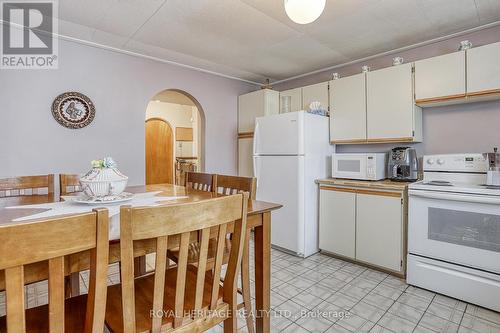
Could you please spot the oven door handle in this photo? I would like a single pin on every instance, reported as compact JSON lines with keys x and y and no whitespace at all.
{"x":482,"y":199}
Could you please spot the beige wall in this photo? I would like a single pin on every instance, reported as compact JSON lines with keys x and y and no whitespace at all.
{"x":121,"y":86}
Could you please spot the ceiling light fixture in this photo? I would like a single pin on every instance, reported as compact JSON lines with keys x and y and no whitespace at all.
{"x":304,"y":11}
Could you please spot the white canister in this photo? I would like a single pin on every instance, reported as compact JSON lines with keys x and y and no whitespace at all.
{"x":101,"y":182}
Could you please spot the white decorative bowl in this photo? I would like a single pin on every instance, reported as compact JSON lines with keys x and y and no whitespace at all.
{"x":103,"y":182}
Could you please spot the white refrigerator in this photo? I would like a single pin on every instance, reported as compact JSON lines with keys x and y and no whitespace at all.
{"x":290,"y":152}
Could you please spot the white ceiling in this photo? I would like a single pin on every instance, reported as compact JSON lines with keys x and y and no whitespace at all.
{"x":255,"y":40}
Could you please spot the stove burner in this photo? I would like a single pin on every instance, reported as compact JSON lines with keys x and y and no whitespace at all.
{"x":439,"y":183}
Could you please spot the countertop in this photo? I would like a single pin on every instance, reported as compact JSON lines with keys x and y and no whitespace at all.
{"x":385,"y":184}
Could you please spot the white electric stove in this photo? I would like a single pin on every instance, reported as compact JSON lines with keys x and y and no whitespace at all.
{"x":454,"y":230}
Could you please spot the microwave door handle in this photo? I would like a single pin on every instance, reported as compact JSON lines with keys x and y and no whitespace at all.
{"x":455,"y":197}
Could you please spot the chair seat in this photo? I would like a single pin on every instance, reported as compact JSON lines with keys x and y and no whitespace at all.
{"x":194,"y":252}
{"x":144,"y":287}
{"x":37,"y":318}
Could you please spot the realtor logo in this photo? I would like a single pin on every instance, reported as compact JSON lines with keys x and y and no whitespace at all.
{"x":28,"y":29}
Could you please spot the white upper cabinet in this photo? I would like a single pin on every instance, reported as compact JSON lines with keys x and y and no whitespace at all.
{"x":315,"y":93}
{"x":256,"y":104}
{"x":483,"y":69}
{"x":348,"y":109}
{"x":291,"y":100}
{"x":391,"y":111}
{"x":440,"y":78}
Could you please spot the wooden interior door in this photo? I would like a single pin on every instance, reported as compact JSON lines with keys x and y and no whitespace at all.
{"x":159,"y":152}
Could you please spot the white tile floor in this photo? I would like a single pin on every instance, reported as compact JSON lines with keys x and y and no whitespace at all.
{"x":324,"y":294}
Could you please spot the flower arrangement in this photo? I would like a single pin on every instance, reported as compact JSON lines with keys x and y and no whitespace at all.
{"x":105,"y":163}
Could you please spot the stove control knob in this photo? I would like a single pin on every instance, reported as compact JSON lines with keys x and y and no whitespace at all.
{"x":430,"y":161}
{"x":440,"y":161}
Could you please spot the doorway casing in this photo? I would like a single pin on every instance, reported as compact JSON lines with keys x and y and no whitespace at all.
{"x":201,"y":124}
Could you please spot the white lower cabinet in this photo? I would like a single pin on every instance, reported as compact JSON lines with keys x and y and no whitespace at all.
{"x":379,"y":230}
{"x":245,"y":157}
{"x":337,"y":226}
{"x":363,"y":225}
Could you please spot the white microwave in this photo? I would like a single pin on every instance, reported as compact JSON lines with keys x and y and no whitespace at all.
{"x":364,"y":166}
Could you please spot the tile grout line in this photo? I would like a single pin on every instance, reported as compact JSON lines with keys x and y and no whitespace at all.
{"x":386,"y":311}
{"x":427,"y":308}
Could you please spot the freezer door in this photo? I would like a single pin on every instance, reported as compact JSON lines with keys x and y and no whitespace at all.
{"x":280,"y":179}
{"x":281,"y":134}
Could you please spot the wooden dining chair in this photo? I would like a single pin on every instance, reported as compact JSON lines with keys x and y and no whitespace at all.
{"x":201,"y":181}
{"x":229,"y":185}
{"x":27,"y":186}
{"x":182,"y":298}
{"x":233,"y":184}
{"x":52,"y":240}
{"x":69,"y":184}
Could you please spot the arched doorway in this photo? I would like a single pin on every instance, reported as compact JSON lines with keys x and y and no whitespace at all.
{"x":179,"y":113}
{"x":159,"y":152}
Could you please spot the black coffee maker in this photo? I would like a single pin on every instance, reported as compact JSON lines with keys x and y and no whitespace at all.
{"x":403,"y":164}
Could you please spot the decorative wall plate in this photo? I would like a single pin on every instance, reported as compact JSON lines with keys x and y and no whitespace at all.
{"x":73,"y":110}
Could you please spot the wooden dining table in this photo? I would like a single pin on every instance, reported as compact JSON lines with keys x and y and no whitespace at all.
{"x":259,"y":219}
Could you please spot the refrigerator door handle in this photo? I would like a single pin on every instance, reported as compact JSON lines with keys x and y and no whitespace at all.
{"x":255,"y":134}
{"x":255,"y":171}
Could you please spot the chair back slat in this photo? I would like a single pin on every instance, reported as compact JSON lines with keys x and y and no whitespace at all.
{"x":52,"y":240}
{"x":219,"y":258}
{"x":127,"y":269}
{"x":56,"y":295}
{"x":180,"y":221}
{"x":229,"y":185}
{"x":180,"y":285}
{"x":14,"y":289}
{"x":159,"y":283}
{"x":235,"y":257}
{"x":201,"y":181}
{"x":98,"y":276}
{"x":202,"y":264}
{"x":69,"y":183}
{"x":27,"y":186}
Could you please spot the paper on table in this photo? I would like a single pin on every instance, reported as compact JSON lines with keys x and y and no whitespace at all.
{"x":69,"y":207}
